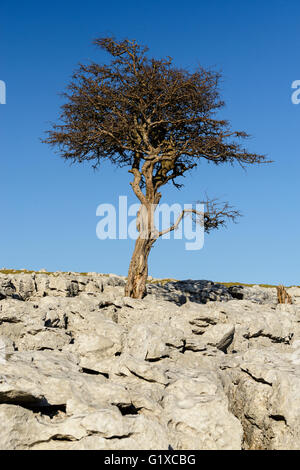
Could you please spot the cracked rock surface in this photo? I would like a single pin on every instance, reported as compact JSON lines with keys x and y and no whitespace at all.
{"x":194,"y":365}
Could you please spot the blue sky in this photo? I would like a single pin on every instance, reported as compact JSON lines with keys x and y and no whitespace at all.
{"x":48,"y":209}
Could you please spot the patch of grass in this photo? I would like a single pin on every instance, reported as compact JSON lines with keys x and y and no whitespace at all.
{"x":18,"y":271}
{"x":161,"y":281}
{"x":25,"y":271}
{"x":229,"y":284}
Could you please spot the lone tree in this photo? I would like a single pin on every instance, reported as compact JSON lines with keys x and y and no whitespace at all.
{"x":154,"y":118}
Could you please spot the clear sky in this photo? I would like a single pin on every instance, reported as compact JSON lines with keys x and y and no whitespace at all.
{"x":48,"y":209}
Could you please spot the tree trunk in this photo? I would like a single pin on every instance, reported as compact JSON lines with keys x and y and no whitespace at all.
{"x":138,"y":269}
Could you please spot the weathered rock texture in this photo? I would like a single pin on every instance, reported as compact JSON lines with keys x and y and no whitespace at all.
{"x":194,"y":365}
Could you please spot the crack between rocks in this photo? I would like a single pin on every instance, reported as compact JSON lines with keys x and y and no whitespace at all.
{"x":119,"y":437}
{"x":278,"y":418}
{"x":157,"y":359}
{"x":85,"y":370}
{"x":256,"y":379}
{"x":38,"y":407}
{"x":56,"y":438}
{"x":273,"y":339}
{"x":146,"y":380}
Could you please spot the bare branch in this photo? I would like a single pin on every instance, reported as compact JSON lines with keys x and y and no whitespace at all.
{"x":135,"y":184}
{"x":175,"y":225}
